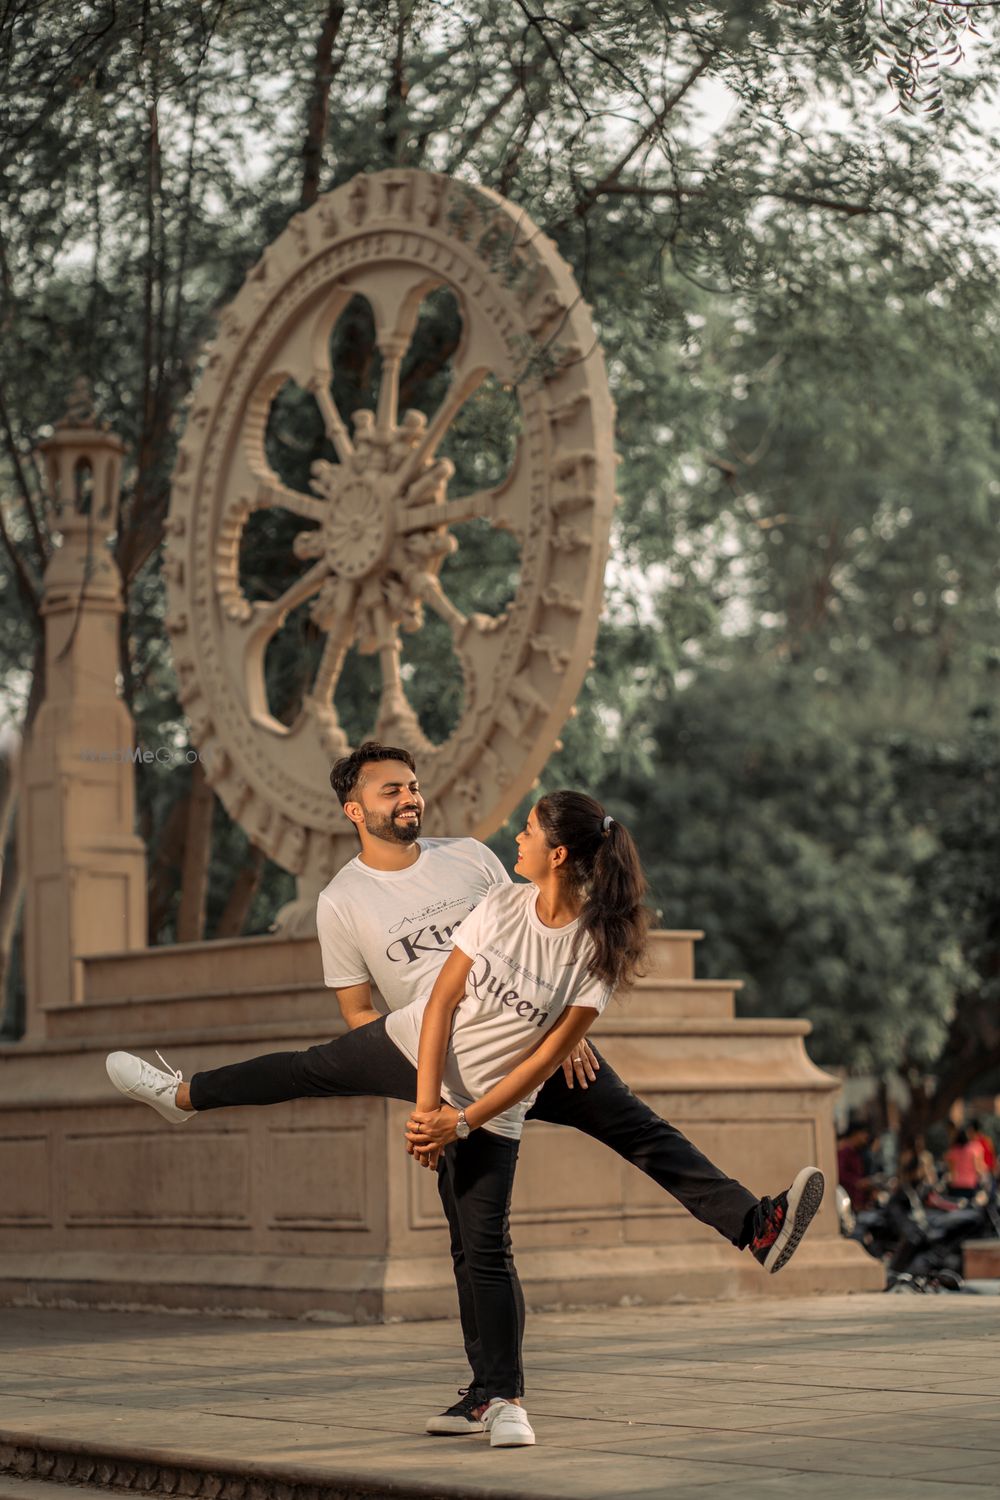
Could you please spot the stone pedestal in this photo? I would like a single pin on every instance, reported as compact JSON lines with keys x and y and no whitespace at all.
{"x":85,"y":869}
{"x":314,"y":1207}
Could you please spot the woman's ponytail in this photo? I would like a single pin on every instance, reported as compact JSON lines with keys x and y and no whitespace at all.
{"x":603,"y":862}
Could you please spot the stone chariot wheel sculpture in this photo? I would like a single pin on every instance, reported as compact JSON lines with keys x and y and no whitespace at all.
{"x":376,"y":523}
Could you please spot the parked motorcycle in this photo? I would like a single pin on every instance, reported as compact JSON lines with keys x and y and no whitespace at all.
{"x":919,"y":1235}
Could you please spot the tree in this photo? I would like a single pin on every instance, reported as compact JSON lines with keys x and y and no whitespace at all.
{"x":949,"y":789}
{"x":146,"y":154}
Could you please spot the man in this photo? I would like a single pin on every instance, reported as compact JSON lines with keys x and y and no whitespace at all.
{"x":387,"y":918}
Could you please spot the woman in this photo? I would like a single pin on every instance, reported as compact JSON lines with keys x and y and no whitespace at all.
{"x":966,"y":1162}
{"x":533,"y":967}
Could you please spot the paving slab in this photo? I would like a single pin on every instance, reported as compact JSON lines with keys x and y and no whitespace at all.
{"x":872,"y":1397}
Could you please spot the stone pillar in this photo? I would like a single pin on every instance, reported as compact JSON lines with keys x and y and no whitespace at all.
{"x":85,"y":869}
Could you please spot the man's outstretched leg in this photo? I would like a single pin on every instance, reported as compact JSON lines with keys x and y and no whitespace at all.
{"x":607,"y":1109}
{"x":361,"y":1062}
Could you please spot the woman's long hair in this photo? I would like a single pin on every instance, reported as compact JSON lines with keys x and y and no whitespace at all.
{"x":603,"y":862}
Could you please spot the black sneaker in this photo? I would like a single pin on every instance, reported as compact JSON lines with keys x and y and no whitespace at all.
{"x":465,"y":1416}
{"x":779,"y":1223}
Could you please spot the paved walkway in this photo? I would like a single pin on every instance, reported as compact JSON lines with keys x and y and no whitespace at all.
{"x":872,"y":1398}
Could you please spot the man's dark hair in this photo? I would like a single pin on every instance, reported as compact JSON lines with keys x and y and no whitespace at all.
{"x":346,"y":772}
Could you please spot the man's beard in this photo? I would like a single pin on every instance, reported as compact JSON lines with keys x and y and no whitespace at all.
{"x":391,"y":828}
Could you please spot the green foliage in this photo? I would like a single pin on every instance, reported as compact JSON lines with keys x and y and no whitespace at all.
{"x":785,"y":840}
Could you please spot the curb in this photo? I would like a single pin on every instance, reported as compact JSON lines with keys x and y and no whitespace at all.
{"x":147,"y":1471}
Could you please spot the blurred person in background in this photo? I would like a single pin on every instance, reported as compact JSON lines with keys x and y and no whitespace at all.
{"x":966,"y":1163}
{"x":977,"y":1133}
{"x":852,"y":1172}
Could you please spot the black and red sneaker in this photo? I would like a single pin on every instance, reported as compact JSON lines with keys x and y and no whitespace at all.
{"x":779,"y":1223}
{"x":464,"y":1417}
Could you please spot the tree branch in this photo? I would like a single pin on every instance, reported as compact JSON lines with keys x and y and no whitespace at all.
{"x":471,"y":138}
{"x":536,"y":23}
{"x":682,"y":194}
{"x":585,"y":203}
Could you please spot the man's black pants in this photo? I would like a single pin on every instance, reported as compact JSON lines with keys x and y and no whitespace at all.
{"x":479,"y":1173}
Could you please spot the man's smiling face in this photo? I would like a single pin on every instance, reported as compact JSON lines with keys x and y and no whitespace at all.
{"x":388,"y":794}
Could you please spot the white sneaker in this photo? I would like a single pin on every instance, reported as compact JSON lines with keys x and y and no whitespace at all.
{"x":508,"y":1425}
{"x":140,"y":1080}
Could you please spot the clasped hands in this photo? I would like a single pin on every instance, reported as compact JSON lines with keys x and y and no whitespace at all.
{"x":428,"y":1131}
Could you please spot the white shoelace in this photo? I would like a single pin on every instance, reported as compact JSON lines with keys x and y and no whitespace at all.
{"x":150,"y":1074}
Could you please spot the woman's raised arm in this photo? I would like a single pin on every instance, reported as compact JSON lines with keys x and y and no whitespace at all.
{"x":432,"y":1125}
{"x":435,"y":1027}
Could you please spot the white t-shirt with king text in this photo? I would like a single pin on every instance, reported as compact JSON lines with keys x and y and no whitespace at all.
{"x":523,"y":976}
{"x":394,"y":927}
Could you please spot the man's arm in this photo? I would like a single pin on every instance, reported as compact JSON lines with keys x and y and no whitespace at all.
{"x":356,"y":1005}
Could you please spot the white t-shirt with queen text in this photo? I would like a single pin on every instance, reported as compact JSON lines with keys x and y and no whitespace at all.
{"x":523,"y":976}
{"x":394,"y":927}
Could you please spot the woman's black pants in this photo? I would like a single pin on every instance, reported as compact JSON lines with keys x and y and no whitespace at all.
{"x":365,"y":1061}
{"x":475,"y":1178}
{"x":609,"y":1111}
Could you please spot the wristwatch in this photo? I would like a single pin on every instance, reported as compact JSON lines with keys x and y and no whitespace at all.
{"x":462,"y":1127}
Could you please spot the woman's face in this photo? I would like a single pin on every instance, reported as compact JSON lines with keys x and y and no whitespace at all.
{"x":534,"y":852}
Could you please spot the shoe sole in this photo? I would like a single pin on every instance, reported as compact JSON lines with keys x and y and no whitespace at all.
{"x":436,"y":1428}
{"x":513,"y":1442}
{"x":804,"y":1198}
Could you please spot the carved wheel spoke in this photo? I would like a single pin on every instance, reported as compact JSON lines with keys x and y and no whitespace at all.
{"x":505,"y":505}
{"x":449,"y":513}
{"x":377,"y":525}
{"x":340,"y":634}
{"x":333,"y":422}
{"x":270,"y":494}
{"x":268,"y":618}
{"x":461,"y":388}
{"x":396,"y":722}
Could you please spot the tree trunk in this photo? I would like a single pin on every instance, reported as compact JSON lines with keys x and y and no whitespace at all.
{"x":319,"y":103}
{"x":11,"y":874}
{"x":197,"y":850}
{"x":244,"y":888}
{"x":164,"y":867}
{"x":398,"y":89}
{"x":971,"y":1051}
{"x":11,"y":891}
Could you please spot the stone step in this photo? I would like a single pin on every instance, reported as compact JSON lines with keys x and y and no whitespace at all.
{"x":309,"y":1002}
{"x":197,"y":968}
{"x":671,"y":952}
{"x":679,"y":1056}
{"x":207,"y":968}
{"x":679,"y":999}
{"x":209,"y":1010}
